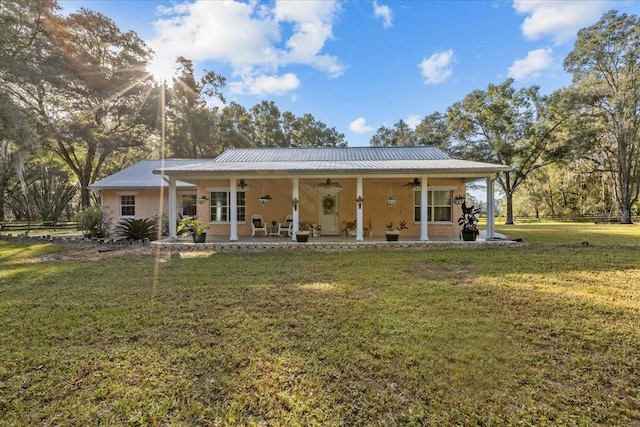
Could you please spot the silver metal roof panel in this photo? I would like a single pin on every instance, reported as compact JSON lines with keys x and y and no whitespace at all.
{"x":141,"y":175}
{"x":335,"y":154}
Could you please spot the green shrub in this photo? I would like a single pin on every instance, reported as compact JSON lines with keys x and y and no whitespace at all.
{"x":94,"y":221}
{"x":136,"y":229}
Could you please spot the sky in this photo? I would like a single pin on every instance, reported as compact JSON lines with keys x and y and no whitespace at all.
{"x":360,"y":64}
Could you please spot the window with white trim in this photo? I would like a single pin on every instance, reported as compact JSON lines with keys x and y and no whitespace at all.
{"x":439,"y":205}
{"x":127,"y":205}
{"x":221,"y":206}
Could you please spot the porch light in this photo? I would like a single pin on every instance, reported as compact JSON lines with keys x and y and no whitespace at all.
{"x":391,"y":201}
{"x":242,"y":183}
{"x":294,"y":203}
{"x":359,"y":200}
{"x":264,"y":199}
{"x":201,"y":199}
{"x":459,"y":199}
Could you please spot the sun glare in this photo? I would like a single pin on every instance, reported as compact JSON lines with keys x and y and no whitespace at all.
{"x":162,"y":68}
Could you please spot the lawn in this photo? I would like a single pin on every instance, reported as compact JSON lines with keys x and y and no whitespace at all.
{"x":541,"y":333}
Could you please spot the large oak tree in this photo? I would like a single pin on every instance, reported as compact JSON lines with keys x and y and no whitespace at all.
{"x":605,"y":63}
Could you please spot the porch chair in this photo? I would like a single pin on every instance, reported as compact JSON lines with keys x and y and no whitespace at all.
{"x":258,"y":225}
{"x":286,"y":226}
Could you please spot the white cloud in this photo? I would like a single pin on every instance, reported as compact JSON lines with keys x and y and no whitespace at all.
{"x":435,"y":69}
{"x":383,"y":12}
{"x":360,"y":126}
{"x":264,"y":85}
{"x":254,"y":38}
{"x":560,"y":20}
{"x":536,"y":61}
{"x":413,"y":121}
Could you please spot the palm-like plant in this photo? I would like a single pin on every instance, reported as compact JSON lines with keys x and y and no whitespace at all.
{"x":136,"y":229}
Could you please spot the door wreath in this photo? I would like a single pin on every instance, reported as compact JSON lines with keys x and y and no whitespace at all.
{"x":328,"y":204}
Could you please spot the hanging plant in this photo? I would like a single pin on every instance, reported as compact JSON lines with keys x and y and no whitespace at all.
{"x":264,"y":199}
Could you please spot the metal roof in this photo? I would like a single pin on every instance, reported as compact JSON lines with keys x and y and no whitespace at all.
{"x":330,"y":154}
{"x":141,"y":176}
{"x":367,"y":160}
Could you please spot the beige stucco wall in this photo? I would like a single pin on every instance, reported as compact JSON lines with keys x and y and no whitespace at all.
{"x":376,"y":213}
{"x":147,"y":202}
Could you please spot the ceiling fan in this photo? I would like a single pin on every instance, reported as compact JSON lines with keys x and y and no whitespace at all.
{"x":415,"y":183}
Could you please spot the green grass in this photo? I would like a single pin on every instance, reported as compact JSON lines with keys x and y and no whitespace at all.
{"x":571,"y":233}
{"x":533,"y":334}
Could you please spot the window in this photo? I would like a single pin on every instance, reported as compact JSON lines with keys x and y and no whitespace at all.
{"x":127,"y":205}
{"x":439,"y":206}
{"x":189,"y":205}
{"x":221,"y":203}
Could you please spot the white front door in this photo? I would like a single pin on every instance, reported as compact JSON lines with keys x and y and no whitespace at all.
{"x":329,"y":213}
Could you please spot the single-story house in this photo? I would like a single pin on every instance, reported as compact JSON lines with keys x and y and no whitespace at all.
{"x":367,"y":187}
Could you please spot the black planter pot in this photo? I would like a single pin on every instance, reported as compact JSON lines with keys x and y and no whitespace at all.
{"x":469,"y":236}
{"x":302,"y":237}
{"x":200,"y":238}
{"x":392,"y":237}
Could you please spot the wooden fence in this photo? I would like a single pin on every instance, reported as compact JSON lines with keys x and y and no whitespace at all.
{"x":598,"y":219}
{"x":33,"y":226}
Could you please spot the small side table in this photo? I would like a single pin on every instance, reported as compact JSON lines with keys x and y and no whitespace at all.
{"x":272,"y":230}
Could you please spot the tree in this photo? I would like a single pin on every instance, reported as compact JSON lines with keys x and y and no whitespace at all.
{"x":514,"y":127}
{"x":22,"y":40}
{"x":191,"y":124}
{"x":85,"y":83}
{"x":605,"y":64}
{"x":434,"y":131}
{"x":400,"y":136}
{"x":306,"y":131}
{"x":267,"y":125}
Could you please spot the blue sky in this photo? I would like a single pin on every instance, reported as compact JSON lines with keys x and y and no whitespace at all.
{"x":358,"y":65}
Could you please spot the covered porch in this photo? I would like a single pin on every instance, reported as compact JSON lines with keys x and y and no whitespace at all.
{"x":355,"y":193}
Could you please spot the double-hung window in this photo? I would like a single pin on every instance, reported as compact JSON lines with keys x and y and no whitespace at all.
{"x":221,"y":206}
{"x":439,"y":207}
{"x":127,"y":205}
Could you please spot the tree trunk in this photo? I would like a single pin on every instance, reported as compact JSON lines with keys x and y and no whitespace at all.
{"x":509,"y":196}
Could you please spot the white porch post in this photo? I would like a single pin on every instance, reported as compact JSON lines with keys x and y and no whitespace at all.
{"x":490,"y":205}
{"x":296,"y":207}
{"x":424,"y":209}
{"x":359,"y":216}
{"x":233,"y":190}
{"x":172,"y":208}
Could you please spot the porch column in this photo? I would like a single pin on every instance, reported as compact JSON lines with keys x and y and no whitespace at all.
{"x":424,"y":209}
{"x":172,"y":208}
{"x":295,"y":208}
{"x":490,"y":203}
{"x":359,"y":205}
{"x":233,"y":190}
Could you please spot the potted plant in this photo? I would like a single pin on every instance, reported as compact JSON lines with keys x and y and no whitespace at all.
{"x":469,"y":222}
{"x":315,"y":230}
{"x":192,"y":225}
{"x":304,"y":229}
{"x":393,"y":233}
{"x":349,"y":228}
